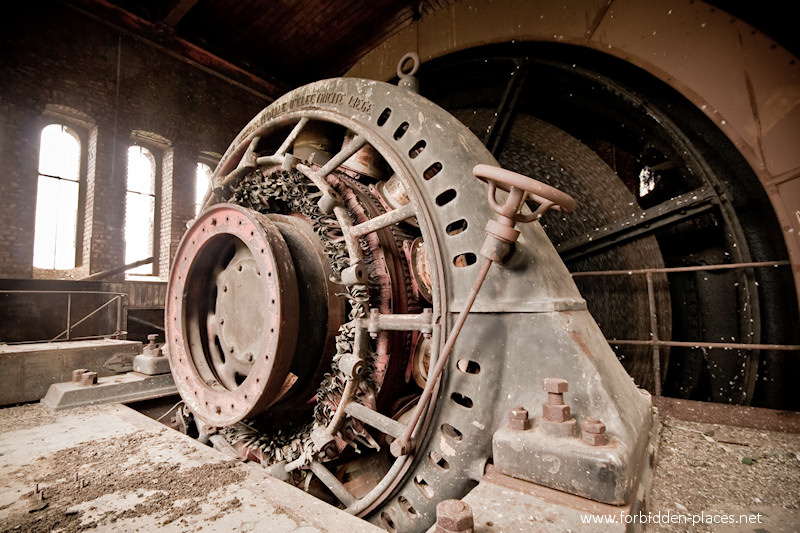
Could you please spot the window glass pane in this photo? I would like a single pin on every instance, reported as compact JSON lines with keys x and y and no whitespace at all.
{"x":66,"y":225}
{"x":139,"y":230}
{"x":202,"y":181}
{"x":141,"y":170}
{"x":44,"y":242}
{"x":59,"y":153}
{"x":55,"y":232}
{"x":140,"y":204}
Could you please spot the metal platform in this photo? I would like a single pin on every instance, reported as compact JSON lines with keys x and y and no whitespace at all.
{"x":128,"y":387}
{"x":28,"y":370}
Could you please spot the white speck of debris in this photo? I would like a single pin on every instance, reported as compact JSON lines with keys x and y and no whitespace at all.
{"x":478,"y":425}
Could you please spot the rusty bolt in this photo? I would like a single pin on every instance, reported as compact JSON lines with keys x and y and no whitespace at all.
{"x":555,"y":410}
{"x":555,"y":385}
{"x":556,"y":413}
{"x":87,"y":379}
{"x":400,"y":447}
{"x":453,"y":516}
{"x":151,"y":341}
{"x":593,"y":432}
{"x":77,"y":373}
{"x":518,"y":418}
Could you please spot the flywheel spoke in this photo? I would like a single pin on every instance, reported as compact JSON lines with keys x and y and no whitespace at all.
{"x":330,"y":481}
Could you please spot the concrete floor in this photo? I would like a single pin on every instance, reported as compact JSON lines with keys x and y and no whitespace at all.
{"x":111,"y":468}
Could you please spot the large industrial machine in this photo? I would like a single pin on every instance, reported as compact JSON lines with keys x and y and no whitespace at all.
{"x":368,"y":306}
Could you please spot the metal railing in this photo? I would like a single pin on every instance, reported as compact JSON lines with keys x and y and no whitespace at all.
{"x":655,"y":341}
{"x":116,"y":298}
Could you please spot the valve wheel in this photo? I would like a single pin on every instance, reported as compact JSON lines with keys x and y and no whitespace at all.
{"x":506,"y":179}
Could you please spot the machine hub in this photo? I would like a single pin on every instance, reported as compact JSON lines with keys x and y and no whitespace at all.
{"x":235,"y":314}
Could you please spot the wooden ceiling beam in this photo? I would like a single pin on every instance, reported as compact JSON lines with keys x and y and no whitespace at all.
{"x":178,"y":12}
{"x":164,"y":37}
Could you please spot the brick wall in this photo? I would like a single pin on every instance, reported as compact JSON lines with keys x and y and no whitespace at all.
{"x":52,"y":55}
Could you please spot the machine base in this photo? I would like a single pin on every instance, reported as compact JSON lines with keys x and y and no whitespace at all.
{"x":130,"y":387}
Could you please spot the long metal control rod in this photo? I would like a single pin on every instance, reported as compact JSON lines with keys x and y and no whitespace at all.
{"x":500,"y":234}
{"x":402,"y":445}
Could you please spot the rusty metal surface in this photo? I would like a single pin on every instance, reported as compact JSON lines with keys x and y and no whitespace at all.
{"x":233,"y":270}
{"x":502,"y":503}
{"x":122,"y":388}
{"x":568,"y":463}
{"x":732,"y":415}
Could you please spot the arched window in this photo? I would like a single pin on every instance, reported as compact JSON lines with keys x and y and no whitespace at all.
{"x":202,"y":181}
{"x":55,"y":232}
{"x":140,"y":206}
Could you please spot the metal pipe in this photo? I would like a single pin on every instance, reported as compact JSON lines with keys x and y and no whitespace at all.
{"x":651,"y":300}
{"x":668,"y":270}
{"x":723,"y":345}
{"x":656,"y":342}
{"x":375,"y":419}
{"x":389,"y":218}
{"x":144,"y":323}
{"x":117,"y":270}
{"x":287,"y":142}
{"x":359,"y":505}
{"x":330,"y":481}
{"x":401,"y":446}
{"x":79,"y":322}
{"x":348,"y":394}
{"x":22,"y":291}
{"x":69,"y":315}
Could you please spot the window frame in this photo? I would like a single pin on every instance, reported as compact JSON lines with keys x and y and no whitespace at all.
{"x":211,"y":163}
{"x":157,"y":151}
{"x":82,"y":127}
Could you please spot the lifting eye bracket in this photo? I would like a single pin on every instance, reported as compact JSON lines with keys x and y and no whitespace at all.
{"x":500,"y":234}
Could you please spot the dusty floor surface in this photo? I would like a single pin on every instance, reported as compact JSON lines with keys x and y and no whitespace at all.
{"x":108,"y":468}
{"x":702,"y":471}
{"x":84,"y":474}
{"x":707,"y":471}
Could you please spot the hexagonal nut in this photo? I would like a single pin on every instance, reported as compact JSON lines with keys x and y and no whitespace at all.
{"x":556,"y":413}
{"x":593,"y":425}
{"x":454,"y":516}
{"x":77,"y":373}
{"x":518,"y":413}
{"x":555,"y":385}
{"x":399,"y":447}
{"x":520,"y":425}
{"x":594,"y":439}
